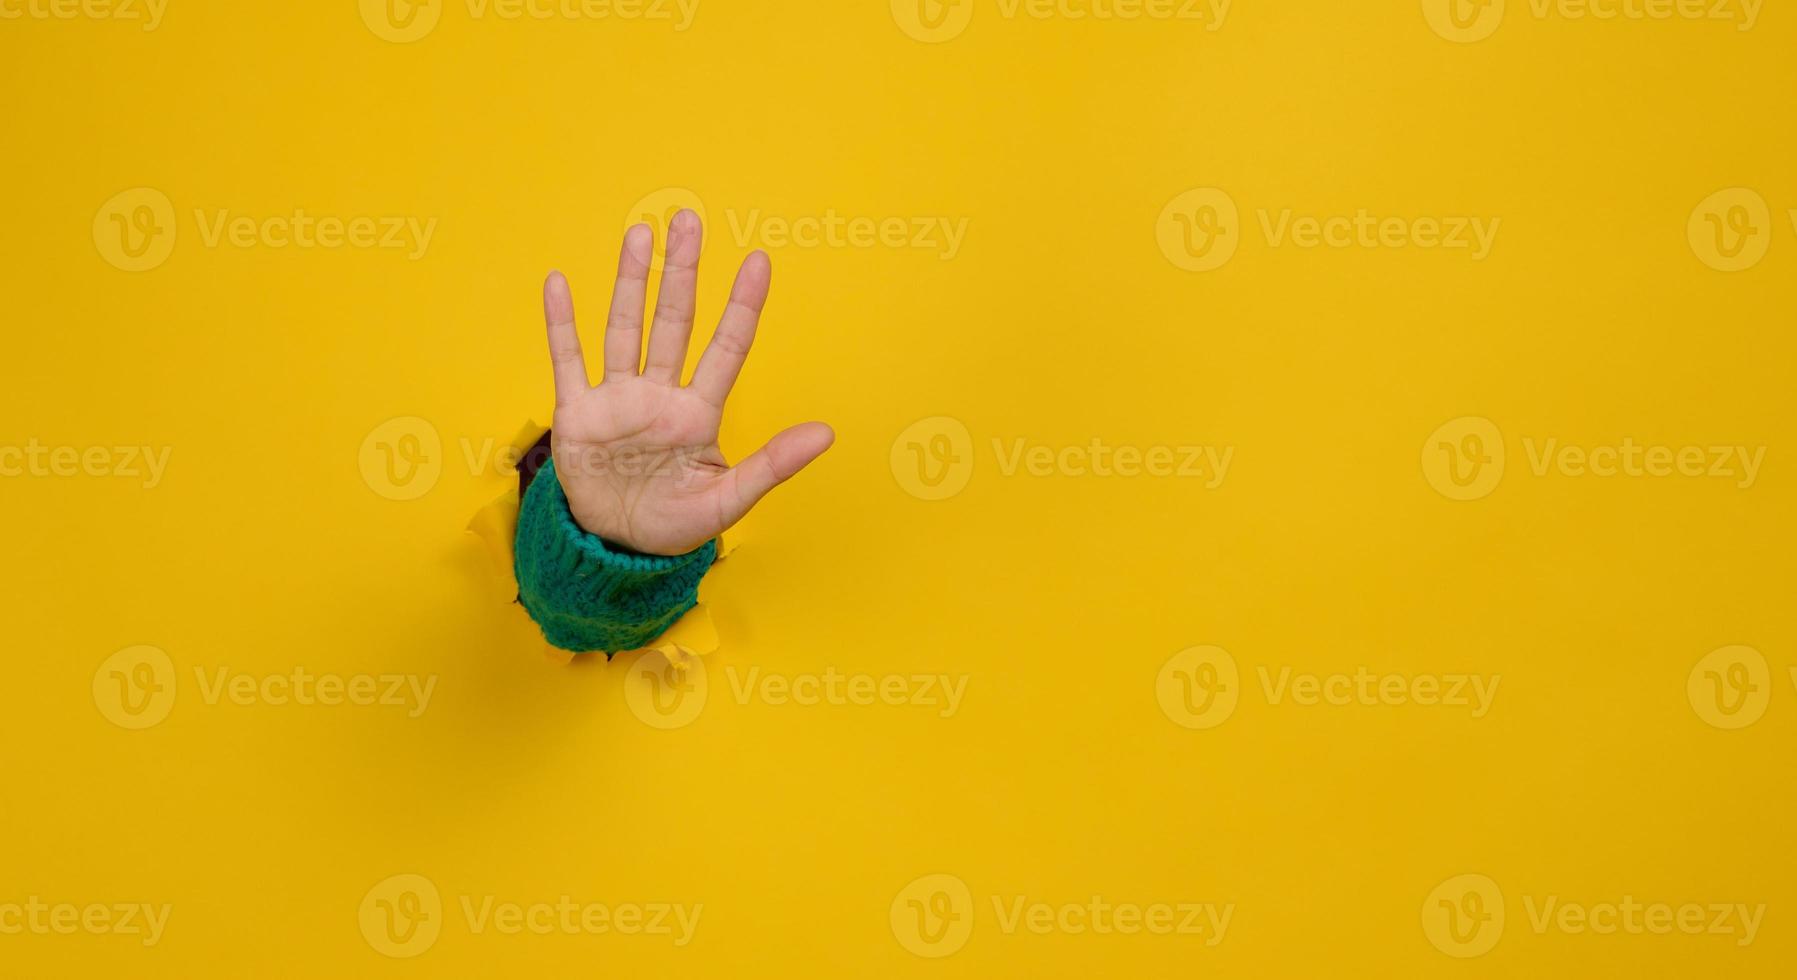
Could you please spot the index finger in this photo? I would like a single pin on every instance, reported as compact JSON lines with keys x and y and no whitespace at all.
{"x":723,"y":359}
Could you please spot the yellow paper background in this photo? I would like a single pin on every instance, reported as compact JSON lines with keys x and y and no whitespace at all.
{"x":274,"y":542}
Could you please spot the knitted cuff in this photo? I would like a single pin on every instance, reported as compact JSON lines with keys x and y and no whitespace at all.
{"x":587,"y":596}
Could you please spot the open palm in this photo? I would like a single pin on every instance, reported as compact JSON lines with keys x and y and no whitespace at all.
{"x":638,"y":455}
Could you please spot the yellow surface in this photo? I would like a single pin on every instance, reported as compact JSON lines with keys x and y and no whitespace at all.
{"x":1107,"y":733}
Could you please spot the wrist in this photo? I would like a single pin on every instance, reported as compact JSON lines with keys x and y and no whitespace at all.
{"x":589,"y":594}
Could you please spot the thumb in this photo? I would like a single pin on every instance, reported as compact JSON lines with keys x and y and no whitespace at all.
{"x":768,"y":467}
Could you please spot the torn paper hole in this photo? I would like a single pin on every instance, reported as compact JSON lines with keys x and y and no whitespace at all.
{"x":496,"y":525}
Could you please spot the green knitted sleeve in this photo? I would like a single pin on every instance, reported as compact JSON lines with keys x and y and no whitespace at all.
{"x":587,"y":595}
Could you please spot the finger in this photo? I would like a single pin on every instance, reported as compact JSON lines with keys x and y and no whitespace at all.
{"x":768,"y":467}
{"x":624,"y":326}
{"x":674,"y":303}
{"x":564,"y":340}
{"x":723,"y":359}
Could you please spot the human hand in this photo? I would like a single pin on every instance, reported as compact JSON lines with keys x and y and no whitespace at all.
{"x":638,"y":455}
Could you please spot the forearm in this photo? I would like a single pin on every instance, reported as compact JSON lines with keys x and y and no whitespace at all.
{"x":587,"y":595}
